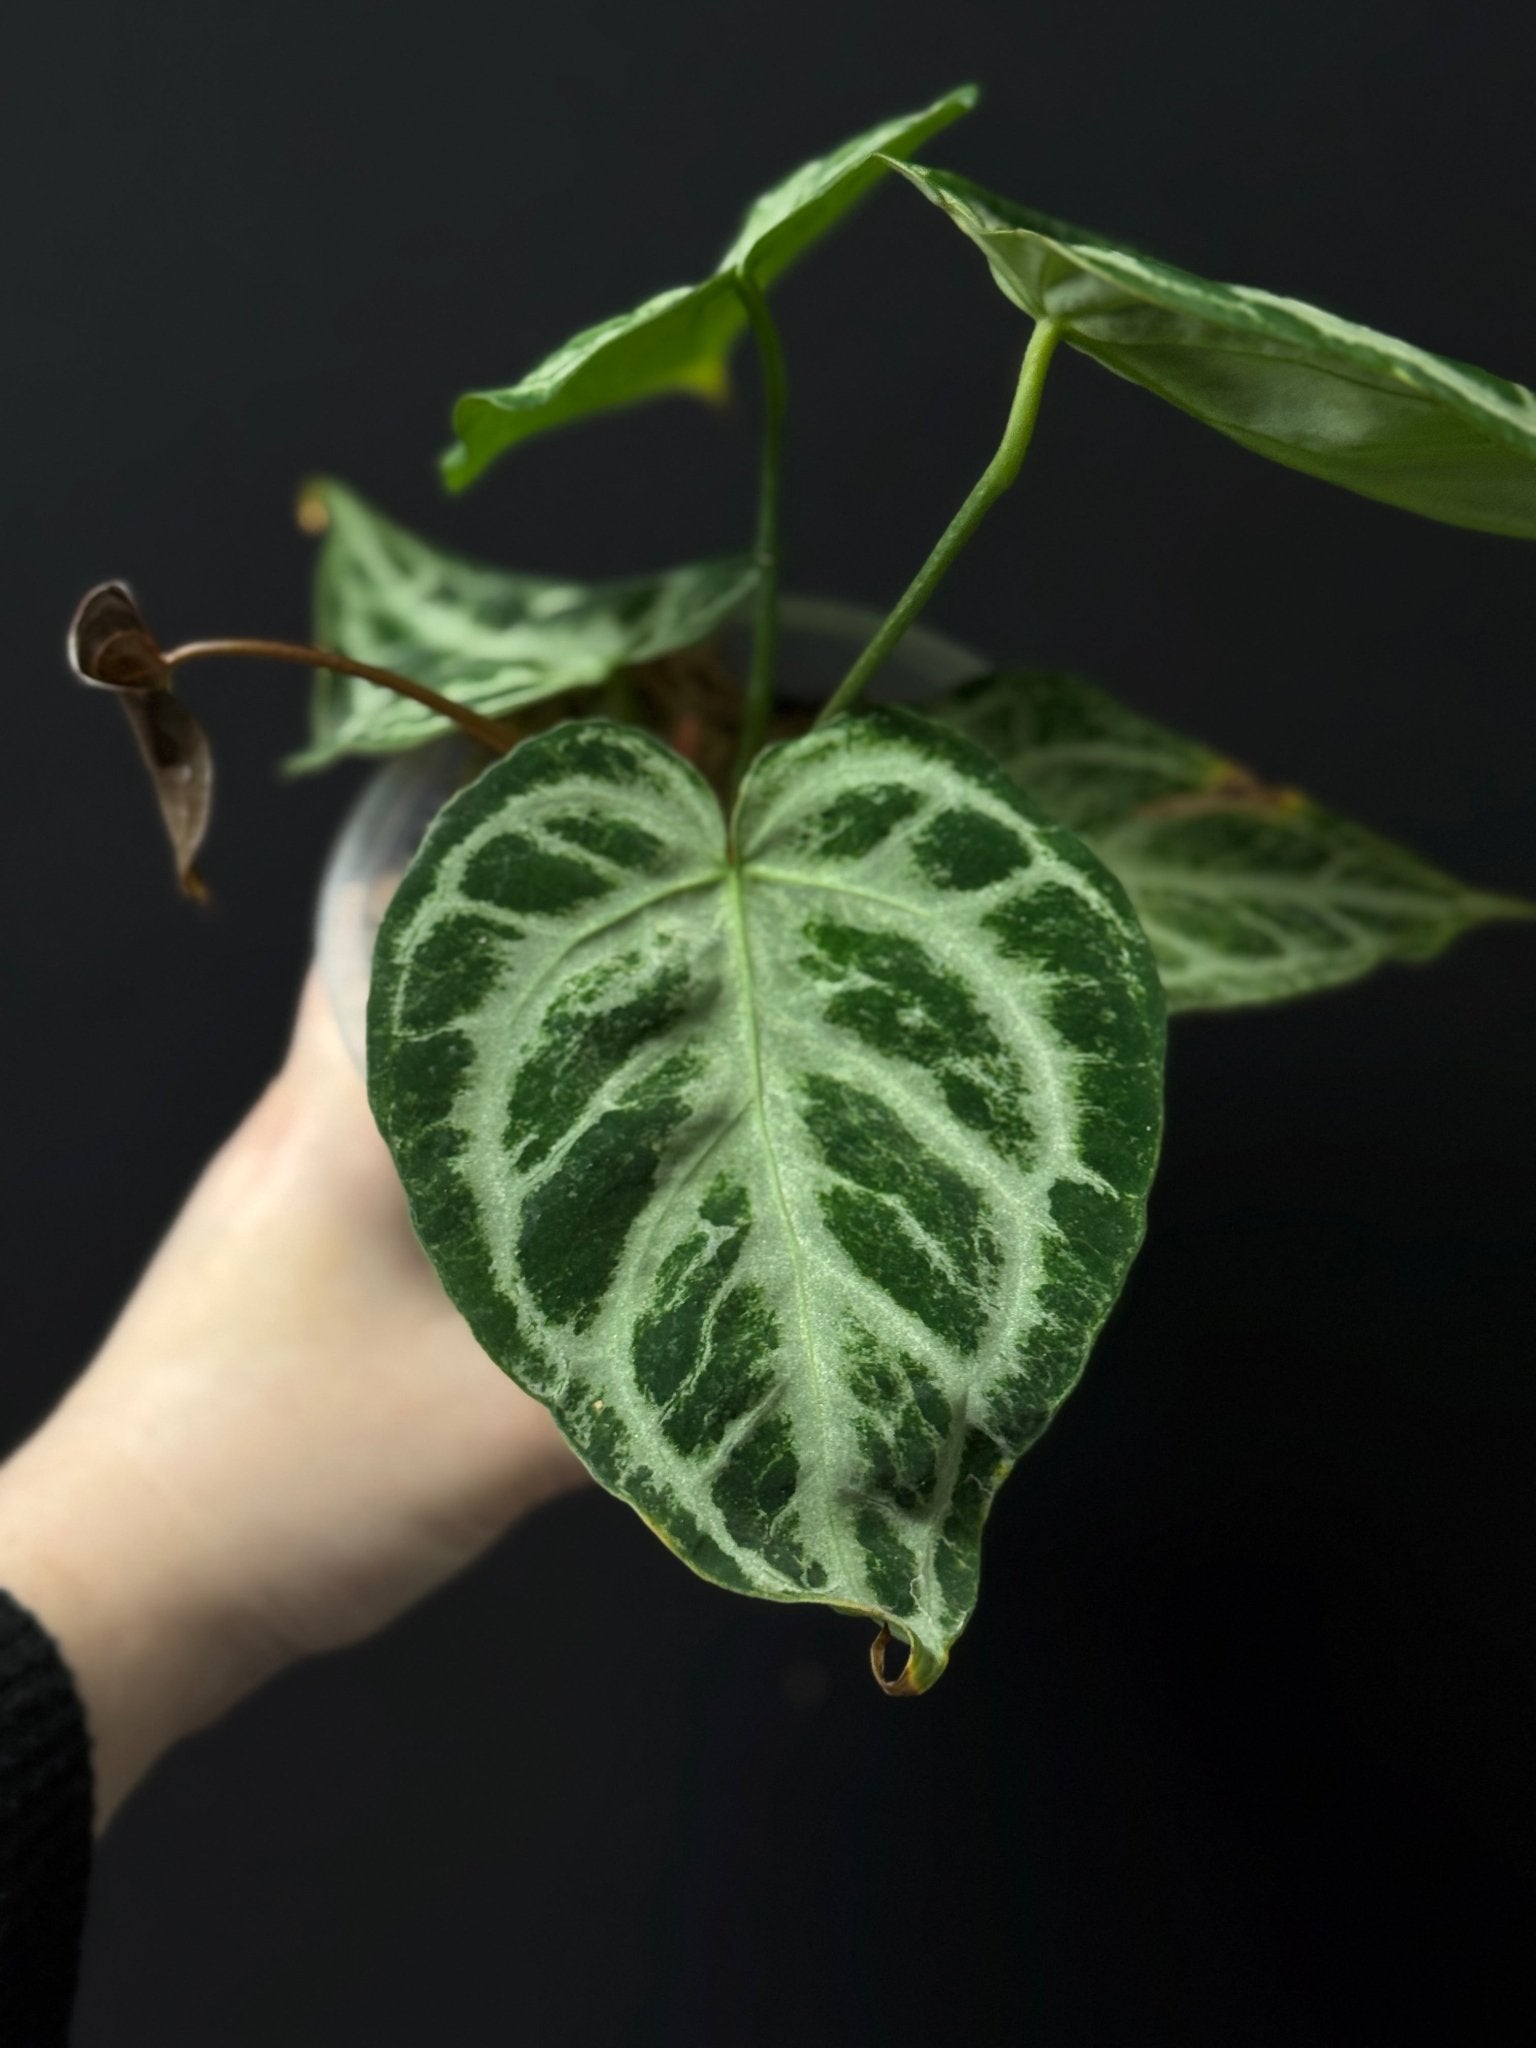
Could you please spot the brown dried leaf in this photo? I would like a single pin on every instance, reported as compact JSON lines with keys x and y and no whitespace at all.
{"x":176,"y":753}
{"x":110,"y":645}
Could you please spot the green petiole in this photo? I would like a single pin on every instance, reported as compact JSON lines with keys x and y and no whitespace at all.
{"x":993,"y":481}
{"x":765,"y":638}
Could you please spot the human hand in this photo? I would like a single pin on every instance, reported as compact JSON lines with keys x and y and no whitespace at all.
{"x":288,"y":1437}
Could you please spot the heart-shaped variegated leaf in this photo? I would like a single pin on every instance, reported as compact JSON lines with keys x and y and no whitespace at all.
{"x":680,"y":340}
{"x":796,"y":1178}
{"x":1285,"y":379}
{"x":1248,"y":892}
{"x":485,"y":637}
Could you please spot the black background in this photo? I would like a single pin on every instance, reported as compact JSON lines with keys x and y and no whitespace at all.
{"x":1238,"y":1748}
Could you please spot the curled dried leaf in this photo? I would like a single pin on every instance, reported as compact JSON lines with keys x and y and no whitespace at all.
{"x":110,"y":645}
{"x":176,"y":752}
{"x":112,"y":648}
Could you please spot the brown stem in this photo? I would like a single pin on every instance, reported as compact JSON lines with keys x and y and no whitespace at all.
{"x":489,"y":731}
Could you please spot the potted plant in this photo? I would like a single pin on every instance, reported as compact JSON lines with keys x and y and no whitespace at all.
{"x":777,"y":1086}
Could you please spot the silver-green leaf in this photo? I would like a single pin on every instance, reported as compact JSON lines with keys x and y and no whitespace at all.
{"x":680,"y":340}
{"x":1249,"y":893}
{"x":496,"y":641}
{"x":1285,"y":379}
{"x":795,"y":1169}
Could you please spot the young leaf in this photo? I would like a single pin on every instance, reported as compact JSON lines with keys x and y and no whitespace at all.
{"x":782,"y":223}
{"x":490,"y":639}
{"x":1248,"y":893}
{"x":681,"y":339}
{"x":1283,"y":378}
{"x":796,"y":1181}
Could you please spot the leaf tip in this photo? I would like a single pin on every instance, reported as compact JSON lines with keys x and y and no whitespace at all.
{"x":1505,"y":909}
{"x":711,"y":380}
{"x":312,"y":508}
{"x":457,"y":467}
{"x":916,"y":1675}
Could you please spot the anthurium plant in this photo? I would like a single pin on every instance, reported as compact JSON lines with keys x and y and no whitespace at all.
{"x":778,"y":1092}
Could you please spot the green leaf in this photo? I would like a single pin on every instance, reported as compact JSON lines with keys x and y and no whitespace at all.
{"x":1247,"y":892}
{"x":496,"y":641}
{"x":1283,"y":378}
{"x":796,"y":1184}
{"x":681,"y":339}
{"x":676,"y":342}
{"x":784,"y":222}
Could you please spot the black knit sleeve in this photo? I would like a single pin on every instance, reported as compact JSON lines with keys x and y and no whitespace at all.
{"x":45,"y":1833}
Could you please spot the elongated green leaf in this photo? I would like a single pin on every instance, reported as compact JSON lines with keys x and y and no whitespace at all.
{"x":1248,"y":893}
{"x":1283,"y":378}
{"x":796,"y":1185}
{"x":784,"y":222}
{"x":678,"y":341}
{"x":496,"y":641}
{"x":681,"y":339}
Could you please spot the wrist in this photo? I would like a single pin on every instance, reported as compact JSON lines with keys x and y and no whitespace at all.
{"x":89,"y":1546}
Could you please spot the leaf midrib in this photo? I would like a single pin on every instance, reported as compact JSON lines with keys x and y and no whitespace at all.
{"x":1091,"y":754}
{"x":736,"y":917}
{"x":1227,"y":885}
{"x":1435,"y":379}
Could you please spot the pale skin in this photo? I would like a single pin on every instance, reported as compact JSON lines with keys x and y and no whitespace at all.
{"x":288,"y":1437}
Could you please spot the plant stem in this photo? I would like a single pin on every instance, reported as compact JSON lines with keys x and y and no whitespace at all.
{"x":994,"y":480}
{"x":490,"y":732}
{"x":765,"y":638}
